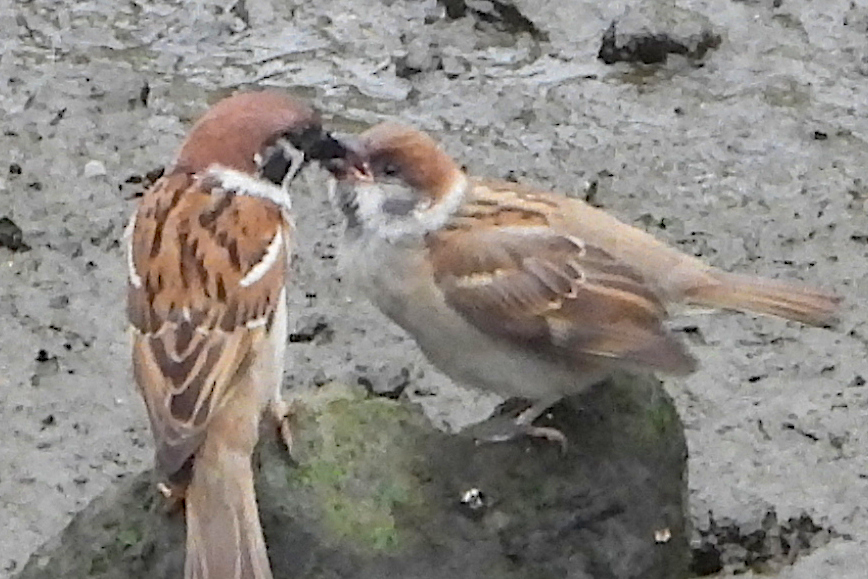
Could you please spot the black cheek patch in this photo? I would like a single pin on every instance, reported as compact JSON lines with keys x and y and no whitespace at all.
{"x":276,"y":165}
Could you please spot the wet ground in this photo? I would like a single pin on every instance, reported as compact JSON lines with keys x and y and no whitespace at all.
{"x":753,"y":156}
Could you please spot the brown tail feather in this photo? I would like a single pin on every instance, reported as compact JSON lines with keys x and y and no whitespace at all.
{"x":768,"y":297}
{"x":224,"y":535}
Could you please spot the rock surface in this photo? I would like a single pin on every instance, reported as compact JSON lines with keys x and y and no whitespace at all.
{"x":375,"y":491}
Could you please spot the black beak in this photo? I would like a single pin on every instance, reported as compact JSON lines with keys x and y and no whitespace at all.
{"x":337,"y":156}
{"x":350,"y":165}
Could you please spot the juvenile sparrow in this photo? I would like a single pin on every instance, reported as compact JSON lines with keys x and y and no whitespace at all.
{"x":208,"y":255}
{"x":524,"y":292}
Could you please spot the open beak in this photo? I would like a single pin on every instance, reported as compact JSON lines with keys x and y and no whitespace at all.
{"x":349,"y":164}
{"x":341,"y":157}
{"x":359,"y":171}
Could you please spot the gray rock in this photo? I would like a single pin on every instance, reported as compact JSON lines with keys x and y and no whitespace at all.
{"x":374,"y":491}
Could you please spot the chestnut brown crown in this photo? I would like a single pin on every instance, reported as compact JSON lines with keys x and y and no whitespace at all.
{"x":238,"y":127}
{"x":392,"y":151}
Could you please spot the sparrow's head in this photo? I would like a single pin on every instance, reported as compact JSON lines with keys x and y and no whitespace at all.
{"x":262,"y":134}
{"x":401,"y":182}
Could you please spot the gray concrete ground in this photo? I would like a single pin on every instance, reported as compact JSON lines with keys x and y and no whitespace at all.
{"x":755,"y":159}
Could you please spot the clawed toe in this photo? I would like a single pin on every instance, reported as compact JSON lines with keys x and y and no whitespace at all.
{"x":548,"y":433}
{"x":174,"y":496}
{"x":504,"y":428}
{"x":281,"y":414}
{"x":284,"y":432}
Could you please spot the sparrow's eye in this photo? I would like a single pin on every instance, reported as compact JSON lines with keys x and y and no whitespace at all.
{"x":390,"y":170}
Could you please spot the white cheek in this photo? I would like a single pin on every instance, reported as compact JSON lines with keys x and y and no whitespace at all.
{"x":370,"y":199}
{"x":395,"y":225}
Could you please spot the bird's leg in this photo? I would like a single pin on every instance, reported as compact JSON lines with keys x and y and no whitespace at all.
{"x":174,"y":487}
{"x":524,"y":422}
{"x":508,"y":426}
{"x":174,"y":495}
{"x":281,"y":413}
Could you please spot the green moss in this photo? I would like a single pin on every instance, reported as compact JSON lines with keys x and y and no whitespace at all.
{"x":99,"y":564}
{"x":662,"y":417}
{"x":648,"y":413}
{"x":358,"y":461}
{"x":129,"y":537}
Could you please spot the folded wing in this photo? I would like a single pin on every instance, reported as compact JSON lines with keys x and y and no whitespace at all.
{"x":516,"y":278}
{"x":197,"y":297}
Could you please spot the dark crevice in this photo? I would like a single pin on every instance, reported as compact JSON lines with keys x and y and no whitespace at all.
{"x":11,"y":236}
{"x":766,"y":549}
{"x":654,"y":48}
{"x":502,"y":15}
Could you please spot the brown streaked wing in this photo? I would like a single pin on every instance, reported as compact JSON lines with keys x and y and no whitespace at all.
{"x":550,"y":292}
{"x":190,"y":250}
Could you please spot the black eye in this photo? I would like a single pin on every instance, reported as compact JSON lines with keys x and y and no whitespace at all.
{"x":274,"y":164}
{"x":390,"y":170}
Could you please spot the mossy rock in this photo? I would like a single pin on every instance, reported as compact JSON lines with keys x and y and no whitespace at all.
{"x":374,"y":491}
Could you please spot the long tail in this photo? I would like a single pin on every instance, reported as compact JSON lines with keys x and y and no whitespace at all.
{"x":224,"y":535}
{"x":767,"y":296}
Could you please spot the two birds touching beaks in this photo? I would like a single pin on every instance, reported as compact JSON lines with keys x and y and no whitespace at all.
{"x":504,"y":287}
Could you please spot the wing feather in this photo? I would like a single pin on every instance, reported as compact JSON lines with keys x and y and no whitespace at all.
{"x":512,"y":275}
{"x":194,"y":318}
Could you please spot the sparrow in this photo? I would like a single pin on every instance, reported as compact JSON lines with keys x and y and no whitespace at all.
{"x":208,"y":253}
{"x":523,"y":292}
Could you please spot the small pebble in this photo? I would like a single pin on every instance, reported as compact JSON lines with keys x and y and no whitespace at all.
{"x":94,"y":168}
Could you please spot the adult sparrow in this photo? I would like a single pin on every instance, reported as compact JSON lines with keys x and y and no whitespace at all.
{"x":208,"y":255}
{"x":524,"y":292}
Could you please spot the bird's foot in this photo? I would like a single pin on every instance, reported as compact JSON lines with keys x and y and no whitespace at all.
{"x":505,"y":427}
{"x":548,"y":433}
{"x":525,"y":420}
{"x":281,"y":413}
{"x":174,"y":495}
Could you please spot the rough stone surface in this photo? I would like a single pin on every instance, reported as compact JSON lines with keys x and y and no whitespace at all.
{"x":375,"y":491}
{"x":755,"y":159}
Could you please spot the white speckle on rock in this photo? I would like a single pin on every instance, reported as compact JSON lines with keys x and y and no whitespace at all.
{"x":94,"y":168}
